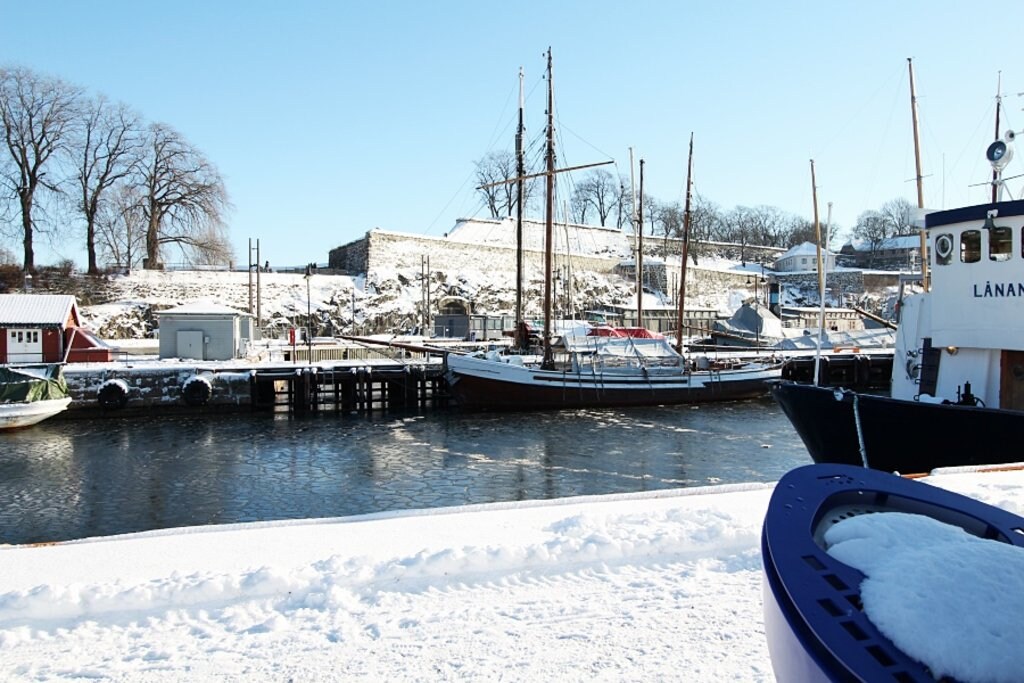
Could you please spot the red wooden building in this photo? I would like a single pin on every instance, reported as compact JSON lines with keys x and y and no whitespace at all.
{"x":46,"y":328}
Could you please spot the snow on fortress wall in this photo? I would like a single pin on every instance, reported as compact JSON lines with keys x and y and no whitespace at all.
{"x":482,"y":245}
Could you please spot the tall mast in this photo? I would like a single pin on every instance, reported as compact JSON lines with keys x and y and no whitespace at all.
{"x":520,"y":336}
{"x":920,"y":186}
{"x":821,"y":274}
{"x":549,"y":203}
{"x":640,"y":252}
{"x":999,"y":102}
{"x":686,"y":247}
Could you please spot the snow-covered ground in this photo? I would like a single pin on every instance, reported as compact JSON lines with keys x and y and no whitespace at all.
{"x":385,"y":298}
{"x":655,"y":586}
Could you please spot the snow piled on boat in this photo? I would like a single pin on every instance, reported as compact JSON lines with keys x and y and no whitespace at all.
{"x":947,"y":598}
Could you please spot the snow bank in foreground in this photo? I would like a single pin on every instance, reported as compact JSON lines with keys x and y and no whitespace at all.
{"x":662,"y":585}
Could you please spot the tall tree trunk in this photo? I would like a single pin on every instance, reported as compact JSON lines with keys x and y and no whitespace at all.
{"x":152,"y":233}
{"x":26,"y":224}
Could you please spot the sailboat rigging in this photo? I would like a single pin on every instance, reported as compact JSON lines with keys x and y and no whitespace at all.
{"x":520,"y":332}
{"x":919,"y":178}
{"x":640,"y":252}
{"x":680,"y":315}
{"x":599,"y":371}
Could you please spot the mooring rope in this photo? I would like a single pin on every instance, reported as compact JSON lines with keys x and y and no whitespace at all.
{"x":860,"y":432}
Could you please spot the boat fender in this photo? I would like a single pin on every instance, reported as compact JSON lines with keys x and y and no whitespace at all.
{"x":113,"y":394}
{"x":197,"y":390}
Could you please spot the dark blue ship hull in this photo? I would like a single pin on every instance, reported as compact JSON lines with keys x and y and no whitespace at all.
{"x":814,"y":623}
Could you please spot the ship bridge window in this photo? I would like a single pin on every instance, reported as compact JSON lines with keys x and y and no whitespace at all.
{"x":943,"y":249}
{"x":1000,"y":243}
{"x":970,"y":246}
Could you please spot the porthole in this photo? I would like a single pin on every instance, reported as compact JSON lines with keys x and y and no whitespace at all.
{"x":943,"y":249}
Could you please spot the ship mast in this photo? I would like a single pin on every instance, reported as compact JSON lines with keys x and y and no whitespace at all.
{"x":520,"y":334}
{"x":549,"y":176}
{"x":920,"y":186}
{"x":686,"y":247}
{"x":549,"y":204}
{"x":821,"y":274}
{"x":640,"y":252}
{"x":995,"y":173}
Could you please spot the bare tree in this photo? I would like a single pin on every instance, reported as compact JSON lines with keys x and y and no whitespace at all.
{"x":183,"y":198}
{"x":38,"y":114}
{"x":121,"y":227}
{"x":899,"y":217}
{"x":740,"y":226}
{"x":600,"y":191}
{"x":670,"y":219}
{"x":579,"y":204}
{"x":705,"y":224}
{"x":770,"y":226}
{"x":107,"y":149}
{"x":801,"y":230}
{"x":873,"y":228}
{"x":501,"y":196}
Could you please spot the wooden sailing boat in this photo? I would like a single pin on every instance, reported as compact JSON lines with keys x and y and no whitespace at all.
{"x":598,"y":371}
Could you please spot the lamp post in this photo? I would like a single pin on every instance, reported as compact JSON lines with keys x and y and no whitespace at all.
{"x":764,"y":283}
{"x":309,"y":314}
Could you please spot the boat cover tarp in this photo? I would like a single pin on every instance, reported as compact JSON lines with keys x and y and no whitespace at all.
{"x":866,"y":339}
{"x":751,"y":321}
{"x":29,"y":384}
{"x":625,"y":352}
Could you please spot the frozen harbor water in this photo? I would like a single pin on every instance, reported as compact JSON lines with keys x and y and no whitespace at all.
{"x":74,"y":479}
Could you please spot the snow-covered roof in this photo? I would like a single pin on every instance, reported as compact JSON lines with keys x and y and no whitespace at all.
{"x":891,"y":243}
{"x":36,"y":310}
{"x":202,"y":308}
{"x":805,"y":249}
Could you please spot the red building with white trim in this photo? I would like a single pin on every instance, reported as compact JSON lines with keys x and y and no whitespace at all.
{"x":46,"y":328}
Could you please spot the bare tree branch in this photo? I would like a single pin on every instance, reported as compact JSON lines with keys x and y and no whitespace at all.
{"x":184,"y":200}
{"x":108,"y":146}
{"x":38,"y":115}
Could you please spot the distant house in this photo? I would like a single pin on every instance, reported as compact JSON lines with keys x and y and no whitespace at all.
{"x":46,"y":328}
{"x":804,"y":257}
{"x":205,"y":331}
{"x":893,"y":253}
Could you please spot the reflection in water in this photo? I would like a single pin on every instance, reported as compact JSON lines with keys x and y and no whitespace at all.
{"x":66,"y":479}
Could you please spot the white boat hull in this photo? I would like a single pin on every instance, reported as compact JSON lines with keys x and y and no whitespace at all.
{"x":13,"y":415}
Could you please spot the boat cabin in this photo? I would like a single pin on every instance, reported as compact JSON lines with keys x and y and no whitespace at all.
{"x":46,"y":328}
{"x":966,"y":335}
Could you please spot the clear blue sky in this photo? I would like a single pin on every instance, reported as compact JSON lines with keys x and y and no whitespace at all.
{"x":329,"y":118}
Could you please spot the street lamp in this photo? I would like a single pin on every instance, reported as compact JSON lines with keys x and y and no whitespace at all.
{"x":309,"y":314}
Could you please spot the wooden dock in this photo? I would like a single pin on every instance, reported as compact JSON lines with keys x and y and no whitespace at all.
{"x":349,"y":389}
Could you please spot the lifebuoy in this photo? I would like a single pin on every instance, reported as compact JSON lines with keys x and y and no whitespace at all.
{"x":113,"y":394}
{"x":196,"y":391}
{"x":944,"y":246}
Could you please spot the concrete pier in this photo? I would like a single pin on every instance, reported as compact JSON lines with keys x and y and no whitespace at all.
{"x":126,"y":388}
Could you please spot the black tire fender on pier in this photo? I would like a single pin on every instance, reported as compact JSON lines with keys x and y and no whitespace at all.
{"x":113,"y":394}
{"x":196,"y":391}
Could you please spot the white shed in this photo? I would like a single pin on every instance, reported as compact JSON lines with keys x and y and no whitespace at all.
{"x":203,"y":330}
